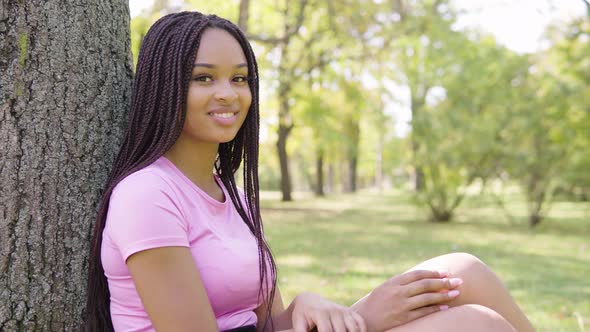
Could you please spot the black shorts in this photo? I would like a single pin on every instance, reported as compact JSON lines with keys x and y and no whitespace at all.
{"x":249,"y":328}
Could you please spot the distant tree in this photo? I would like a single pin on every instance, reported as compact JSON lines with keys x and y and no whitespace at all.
{"x":537,"y":149}
{"x":553,"y":125}
{"x":461,"y":130}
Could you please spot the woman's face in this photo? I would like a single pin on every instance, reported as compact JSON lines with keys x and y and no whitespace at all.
{"x":218,"y":96}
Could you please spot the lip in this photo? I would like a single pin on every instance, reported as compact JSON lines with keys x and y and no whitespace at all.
{"x":225,"y":121}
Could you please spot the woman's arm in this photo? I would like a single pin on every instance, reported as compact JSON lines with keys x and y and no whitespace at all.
{"x":281,"y":317}
{"x":306,"y":311}
{"x":171,"y":290}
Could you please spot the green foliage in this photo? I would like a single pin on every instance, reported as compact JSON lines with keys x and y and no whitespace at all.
{"x":551,"y":124}
{"x":268,"y":167}
{"x":569,"y":63}
{"x":139,"y":27}
{"x":462,"y":93}
{"x":228,"y":9}
{"x":481,"y":113}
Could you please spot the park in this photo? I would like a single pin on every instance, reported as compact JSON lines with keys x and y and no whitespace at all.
{"x":390,"y":132}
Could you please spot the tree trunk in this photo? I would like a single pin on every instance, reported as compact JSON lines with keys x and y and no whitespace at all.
{"x":352,"y":163}
{"x":441,"y":216}
{"x":284,"y":162}
{"x":537,"y":189}
{"x":536,"y":197}
{"x":244,"y":15}
{"x":286,"y":74}
{"x":534,"y":220}
{"x":285,"y":126}
{"x":417,"y":131}
{"x":353,"y":140}
{"x":319,"y":171}
{"x":65,"y":80}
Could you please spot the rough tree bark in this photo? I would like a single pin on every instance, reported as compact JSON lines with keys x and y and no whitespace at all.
{"x":65,"y":80}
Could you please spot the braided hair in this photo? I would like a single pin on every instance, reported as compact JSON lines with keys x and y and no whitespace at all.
{"x":156,"y":119}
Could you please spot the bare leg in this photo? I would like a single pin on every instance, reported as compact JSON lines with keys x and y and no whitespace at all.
{"x":480,"y":286}
{"x":463,"y":318}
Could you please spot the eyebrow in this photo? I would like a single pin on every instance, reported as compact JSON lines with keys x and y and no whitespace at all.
{"x":208,"y":65}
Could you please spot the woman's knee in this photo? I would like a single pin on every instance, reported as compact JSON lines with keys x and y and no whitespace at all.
{"x":465,"y":260}
{"x":463,"y":318}
{"x":479,"y":282}
{"x":458,"y":264}
{"x":482,"y":318}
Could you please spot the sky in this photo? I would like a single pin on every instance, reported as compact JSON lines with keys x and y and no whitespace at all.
{"x":517,"y":24}
{"x":136,"y":6}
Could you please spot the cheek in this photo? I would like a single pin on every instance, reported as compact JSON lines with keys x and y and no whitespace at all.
{"x":191,"y":123}
{"x":196,"y":99}
{"x":196,"y":102}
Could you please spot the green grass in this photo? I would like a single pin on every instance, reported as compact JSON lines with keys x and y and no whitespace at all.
{"x":344,"y":245}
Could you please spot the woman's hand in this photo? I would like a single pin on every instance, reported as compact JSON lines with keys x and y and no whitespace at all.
{"x":311,"y":310}
{"x":407,"y":297}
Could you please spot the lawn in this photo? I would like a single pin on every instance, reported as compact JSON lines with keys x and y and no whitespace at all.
{"x":344,"y":245}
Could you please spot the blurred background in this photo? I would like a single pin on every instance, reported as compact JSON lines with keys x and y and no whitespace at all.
{"x":442,"y":98}
{"x":396,"y":130}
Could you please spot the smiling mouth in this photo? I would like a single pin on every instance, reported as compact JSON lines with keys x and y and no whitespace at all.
{"x":224,"y":115}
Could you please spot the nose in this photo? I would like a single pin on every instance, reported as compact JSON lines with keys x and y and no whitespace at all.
{"x":225,"y":92}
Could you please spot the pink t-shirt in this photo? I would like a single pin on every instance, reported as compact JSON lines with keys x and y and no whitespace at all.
{"x":159,"y":206}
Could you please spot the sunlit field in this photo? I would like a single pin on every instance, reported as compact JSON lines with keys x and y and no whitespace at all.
{"x":344,"y":245}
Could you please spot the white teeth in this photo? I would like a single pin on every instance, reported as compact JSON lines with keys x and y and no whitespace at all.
{"x":223,"y":115}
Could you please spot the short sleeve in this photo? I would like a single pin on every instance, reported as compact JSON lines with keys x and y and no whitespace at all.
{"x":143,"y":215}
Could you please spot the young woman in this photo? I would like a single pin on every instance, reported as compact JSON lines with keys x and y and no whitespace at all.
{"x":178,"y":247}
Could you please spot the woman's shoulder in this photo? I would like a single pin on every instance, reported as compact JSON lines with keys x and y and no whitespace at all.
{"x":144,"y":197}
{"x":148,"y":181}
{"x":144,"y":212}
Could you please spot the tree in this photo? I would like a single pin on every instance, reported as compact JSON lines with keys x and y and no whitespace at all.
{"x":569,"y":58}
{"x":540,"y":135}
{"x":355,"y":100}
{"x":315,"y":115}
{"x":65,"y":85}
{"x":311,"y":35}
{"x":291,"y":18}
{"x":461,"y":129}
{"x":425,"y":27}
{"x":329,"y":124}
{"x":554,"y":125}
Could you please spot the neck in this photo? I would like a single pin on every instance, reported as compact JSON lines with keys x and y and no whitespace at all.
{"x":195,"y":160}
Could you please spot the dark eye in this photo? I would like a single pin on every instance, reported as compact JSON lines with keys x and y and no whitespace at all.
{"x":241,"y":79}
{"x":203,"y":78}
